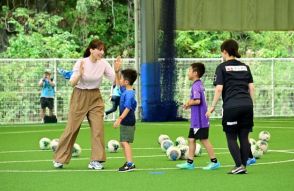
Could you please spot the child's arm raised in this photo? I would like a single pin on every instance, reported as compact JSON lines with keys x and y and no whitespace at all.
{"x":117,"y":68}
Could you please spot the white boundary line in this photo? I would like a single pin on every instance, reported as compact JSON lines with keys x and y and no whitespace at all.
{"x":115,"y":170}
{"x":84,"y":128}
{"x":137,"y":148}
{"x":84,"y":158}
{"x":119,"y":157}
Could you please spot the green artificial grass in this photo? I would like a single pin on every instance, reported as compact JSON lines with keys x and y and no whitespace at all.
{"x":23,"y":166}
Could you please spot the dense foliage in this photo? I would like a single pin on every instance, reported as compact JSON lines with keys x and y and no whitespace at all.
{"x":62,"y":29}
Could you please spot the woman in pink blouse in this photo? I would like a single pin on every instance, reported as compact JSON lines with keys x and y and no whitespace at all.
{"x":86,"y":101}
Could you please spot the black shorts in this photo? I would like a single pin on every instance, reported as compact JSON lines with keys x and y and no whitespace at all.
{"x":237,"y":118}
{"x":202,"y":133}
{"x":47,"y":102}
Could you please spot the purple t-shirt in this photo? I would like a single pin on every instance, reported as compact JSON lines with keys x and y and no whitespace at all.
{"x":198,"y":118}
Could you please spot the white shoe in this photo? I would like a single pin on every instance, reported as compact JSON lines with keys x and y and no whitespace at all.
{"x":57,"y":164}
{"x":95,"y":165}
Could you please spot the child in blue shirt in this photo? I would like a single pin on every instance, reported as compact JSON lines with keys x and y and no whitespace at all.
{"x":47,"y":93}
{"x":115,"y":98}
{"x":127,"y":119}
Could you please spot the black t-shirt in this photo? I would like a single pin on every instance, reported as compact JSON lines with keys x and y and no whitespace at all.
{"x":235,"y":77}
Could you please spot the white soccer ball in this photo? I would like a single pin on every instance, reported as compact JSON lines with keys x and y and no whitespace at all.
{"x":264,"y":135}
{"x":162,"y":138}
{"x":262,"y":145}
{"x":54,"y":144}
{"x":44,"y":143}
{"x":166,"y":144}
{"x":198,"y":150}
{"x":256,"y":152}
{"x":76,"y":150}
{"x":173,"y":153}
{"x":252,"y":141}
{"x":181,"y":141}
{"x":184,"y":151}
{"x":112,"y":146}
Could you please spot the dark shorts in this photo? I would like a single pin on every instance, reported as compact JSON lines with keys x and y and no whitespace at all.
{"x":47,"y":102}
{"x":237,"y":118}
{"x":127,"y":133}
{"x":202,"y":133}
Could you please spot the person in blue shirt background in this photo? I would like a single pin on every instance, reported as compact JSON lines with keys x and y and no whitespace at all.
{"x":47,"y":93}
{"x":115,"y":99}
{"x":127,"y":119}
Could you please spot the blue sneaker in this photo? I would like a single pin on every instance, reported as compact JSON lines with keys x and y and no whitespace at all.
{"x":251,"y":161}
{"x":186,"y":166}
{"x":212,"y":166}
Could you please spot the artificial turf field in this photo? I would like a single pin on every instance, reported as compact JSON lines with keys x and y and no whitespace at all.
{"x":24,"y":167}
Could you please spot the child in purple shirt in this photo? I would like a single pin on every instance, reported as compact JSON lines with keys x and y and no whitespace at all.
{"x":199,"y":122}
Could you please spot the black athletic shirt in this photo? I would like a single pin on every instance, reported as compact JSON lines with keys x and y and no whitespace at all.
{"x":235,"y":77}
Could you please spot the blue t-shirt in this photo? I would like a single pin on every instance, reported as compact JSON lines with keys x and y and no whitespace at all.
{"x":127,"y":100}
{"x":47,"y":90}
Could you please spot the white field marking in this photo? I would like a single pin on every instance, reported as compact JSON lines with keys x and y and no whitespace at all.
{"x":115,"y":170}
{"x":36,"y":131}
{"x":84,"y":158}
{"x":84,"y":128}
{"x":137,"y":148}
{"x":272,"y":127}
{"x":290,"y":151}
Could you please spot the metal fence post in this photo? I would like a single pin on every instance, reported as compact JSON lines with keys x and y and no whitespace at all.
{"x":273,"y":87}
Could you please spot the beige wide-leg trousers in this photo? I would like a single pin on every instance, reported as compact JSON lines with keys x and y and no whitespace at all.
{"x":83,"y":103}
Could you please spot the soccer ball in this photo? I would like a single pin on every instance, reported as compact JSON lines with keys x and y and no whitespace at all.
{"x":256,"y":152}
{"x":162,"y":138}
{"x":252,"y":141}
{"x":44,"y":143}
{"x":54,"y":144}
{"x":181,"y":141}
{"x":262,"y":145}
{"x":166,"y":144}
{"x":264,"y":135}
{"x":76,"y":150}
{"x":173,"y":153}
{"x":184,"y":151}
{"x":198,"y":150}
{"x":112,"y":146}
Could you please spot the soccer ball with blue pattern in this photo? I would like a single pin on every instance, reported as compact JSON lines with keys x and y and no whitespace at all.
{"x":162,"y":137}
{"x":166,"y":144}
{"x":173,"y":153}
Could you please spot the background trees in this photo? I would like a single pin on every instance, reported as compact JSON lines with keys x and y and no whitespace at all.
{"x":62,"y":29}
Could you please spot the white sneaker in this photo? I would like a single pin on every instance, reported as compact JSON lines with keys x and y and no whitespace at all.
{"x":57,"y":164}
{"x":95,"y":165}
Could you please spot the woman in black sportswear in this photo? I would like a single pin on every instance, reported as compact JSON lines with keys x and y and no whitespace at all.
{"x":233,"y":80}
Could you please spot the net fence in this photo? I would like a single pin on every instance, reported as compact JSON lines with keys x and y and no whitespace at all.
{"x":20,"y":93}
